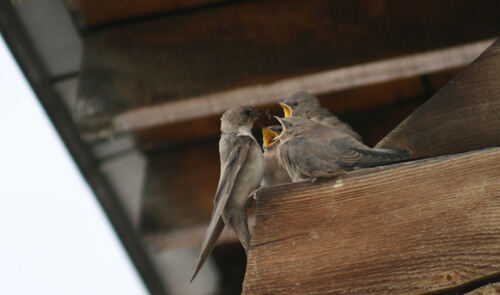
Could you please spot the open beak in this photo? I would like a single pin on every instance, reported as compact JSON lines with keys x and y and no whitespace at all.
{"x":283,"y":125}
{"x":287,"y":110}
{"x":269,"y":137}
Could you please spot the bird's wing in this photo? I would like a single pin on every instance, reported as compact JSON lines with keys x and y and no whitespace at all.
{"x":232,"y":158}
{"x":377,"y":157}
{"x":353,"y":153}
{"x":312,"y":158}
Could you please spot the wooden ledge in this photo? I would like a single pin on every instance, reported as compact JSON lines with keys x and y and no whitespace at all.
{"x":408,"y":228}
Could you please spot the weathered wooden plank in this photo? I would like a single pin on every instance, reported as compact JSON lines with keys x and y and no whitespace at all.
{"x":96,"y":12}
{"x":493,"y":289}
{"x":317,"y":83}
{"x":232,"y":46}
{"x":462,"y":116}
{"x":408,"y":228}
{"x":358,"y":101}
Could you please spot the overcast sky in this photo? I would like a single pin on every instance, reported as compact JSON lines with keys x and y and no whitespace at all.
{"x":54,"y":237}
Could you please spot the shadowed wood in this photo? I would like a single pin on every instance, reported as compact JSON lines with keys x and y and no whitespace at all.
{"x":464,"y":115}
{"x":179,"y":186}
{"x":408,"y":228}
{"x":208,"y":51}
{"x":493,"y":289}
{"x":96,"y":12}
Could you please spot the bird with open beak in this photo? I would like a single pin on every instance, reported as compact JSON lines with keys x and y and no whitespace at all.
{"x":242,"y":168}
{"x":309,"y":150}
{"x":306,"y":105}
{"x":275,"y":173}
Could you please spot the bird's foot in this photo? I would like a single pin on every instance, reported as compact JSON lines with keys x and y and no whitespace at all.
{"x":253,"y":194}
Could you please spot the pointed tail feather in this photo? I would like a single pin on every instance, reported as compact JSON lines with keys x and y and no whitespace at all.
{"x":376,"y":157}
{"x":213,"y":232}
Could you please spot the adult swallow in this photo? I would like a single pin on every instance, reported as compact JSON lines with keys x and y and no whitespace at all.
{"x":242,"y":167}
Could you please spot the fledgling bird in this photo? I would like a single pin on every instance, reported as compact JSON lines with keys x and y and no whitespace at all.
{"x":275,"y":173}
{"x":242,"y":168}
{"x":306,"y":105}
{"x":309,"y":150}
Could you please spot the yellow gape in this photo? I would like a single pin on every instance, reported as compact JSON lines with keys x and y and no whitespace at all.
{"x":286,"y":109}
{"x":268,"y":137}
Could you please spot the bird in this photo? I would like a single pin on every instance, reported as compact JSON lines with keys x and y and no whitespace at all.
{"x":275,"y":174}
{"x":306,"y":105}
{"x":242,"y":168}
{"x":309,"y":150}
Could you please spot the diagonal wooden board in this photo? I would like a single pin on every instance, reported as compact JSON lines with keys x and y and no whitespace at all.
{"x":409,"y":228}
{"x":463,"y":116}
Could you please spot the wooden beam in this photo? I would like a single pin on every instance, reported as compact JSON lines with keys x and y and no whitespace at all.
{"x":213,"y":104}
{"x":462,"y":116}
{"x":409,"y":228}
{"x":358,"y":102}
{"x":94,"y":12}
{"x":202,"y":54}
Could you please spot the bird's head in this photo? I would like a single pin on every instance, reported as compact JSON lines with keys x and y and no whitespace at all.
{"x":299,"y":104}
{"x":240,"y":118}
{"x":294,"y":126}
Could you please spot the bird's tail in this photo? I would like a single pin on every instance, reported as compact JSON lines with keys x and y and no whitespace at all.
{"x":213,"y":232}
{"x":377,"y":157}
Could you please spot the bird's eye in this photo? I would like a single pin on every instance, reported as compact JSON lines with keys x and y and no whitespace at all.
{"x":295,"y":104}
{"x":247,"y":112}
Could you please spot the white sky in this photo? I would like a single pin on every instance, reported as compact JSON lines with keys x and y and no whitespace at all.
{"x":54,"y":236}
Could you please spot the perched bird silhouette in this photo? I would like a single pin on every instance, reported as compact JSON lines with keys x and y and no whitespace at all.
{"x":275,"y":173}
{"x":309,"y":150}
{"x":242,"y":167}
{"x":306,"y":105}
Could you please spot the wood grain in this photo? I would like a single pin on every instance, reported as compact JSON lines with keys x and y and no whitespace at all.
{"x":245,"y":44}
{"x":462,"y":116}
{"x":408,"y":228}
